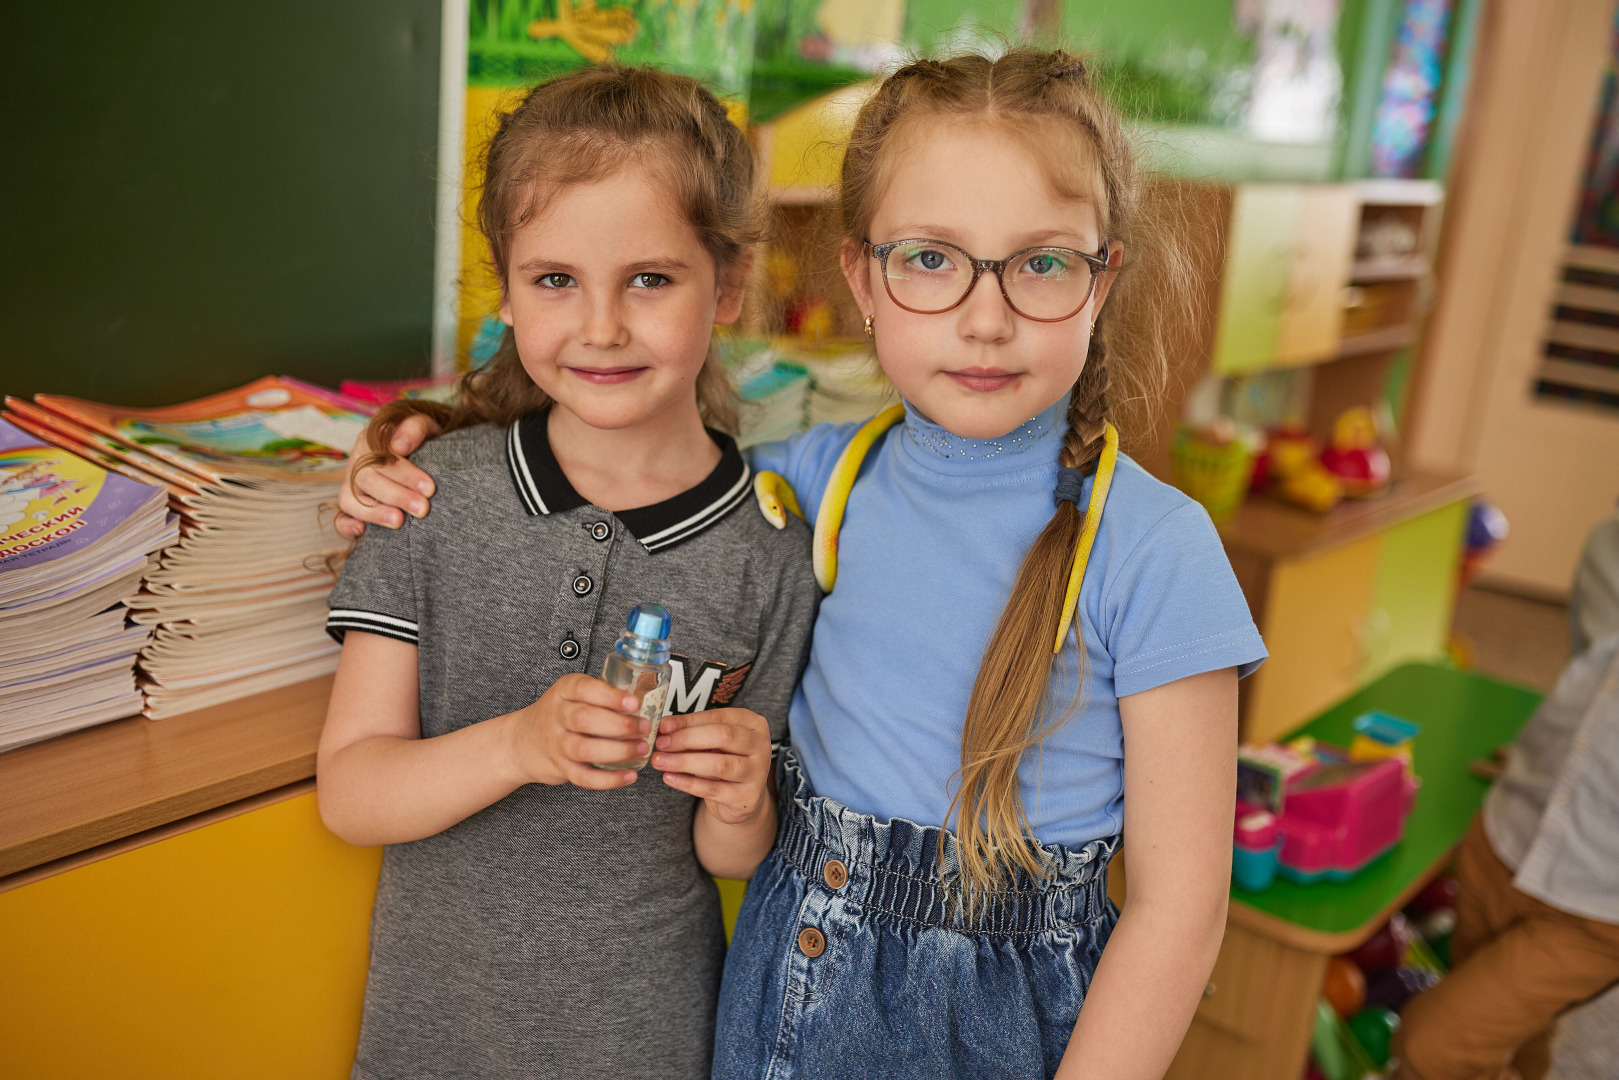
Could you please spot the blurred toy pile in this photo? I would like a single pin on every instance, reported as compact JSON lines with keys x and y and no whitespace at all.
{"x":1364,"y":991}
{"x":1220,"y":462}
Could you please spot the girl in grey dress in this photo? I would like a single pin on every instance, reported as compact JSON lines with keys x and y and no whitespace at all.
{"x":537,"y":916}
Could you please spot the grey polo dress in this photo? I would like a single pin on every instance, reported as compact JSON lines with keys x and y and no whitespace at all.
{"x":562,"y":932}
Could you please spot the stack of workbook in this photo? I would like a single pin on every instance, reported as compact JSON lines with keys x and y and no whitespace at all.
{"x":75,"y":541}
{"x":773,"y":400}
{"x":845,"y":382}
{"x":238,"y":603}
{"x":771,"y":393}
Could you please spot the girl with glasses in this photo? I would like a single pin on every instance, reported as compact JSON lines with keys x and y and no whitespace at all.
{"x":1029,"y":648}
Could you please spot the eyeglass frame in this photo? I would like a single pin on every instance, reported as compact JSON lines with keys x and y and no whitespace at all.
{"x":1100,"y":264}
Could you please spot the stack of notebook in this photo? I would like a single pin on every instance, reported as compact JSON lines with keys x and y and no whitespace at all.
{"x":238,"y":603}
{"x":845,"y":382}
{"x":75,"y":541}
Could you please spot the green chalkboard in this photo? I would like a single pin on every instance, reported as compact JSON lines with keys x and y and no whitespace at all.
{"x":194,"y":193}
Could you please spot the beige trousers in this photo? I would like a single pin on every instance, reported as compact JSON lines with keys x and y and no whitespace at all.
{"x":1518,"y":964}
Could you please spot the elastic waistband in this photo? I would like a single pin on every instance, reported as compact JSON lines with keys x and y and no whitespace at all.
{"x":894,"y":867}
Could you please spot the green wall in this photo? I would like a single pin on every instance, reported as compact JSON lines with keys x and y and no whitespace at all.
{"x":1137,"y":28}
{"x":199,"y":192}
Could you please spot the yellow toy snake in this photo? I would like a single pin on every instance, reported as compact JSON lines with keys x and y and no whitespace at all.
{"x":777,"y":500}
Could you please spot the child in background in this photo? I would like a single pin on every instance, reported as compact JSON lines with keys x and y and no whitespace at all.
{"x":538,"y":916}
{"x":936,"y":902}
{"x":1537,"y":915}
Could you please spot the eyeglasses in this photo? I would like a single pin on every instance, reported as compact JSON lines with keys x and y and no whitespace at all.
{"x":1045,"y":284}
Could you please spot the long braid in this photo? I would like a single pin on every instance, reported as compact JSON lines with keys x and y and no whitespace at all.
{"x":1087,"y":409}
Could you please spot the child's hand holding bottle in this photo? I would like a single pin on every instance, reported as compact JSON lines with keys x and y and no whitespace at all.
{"x":722,"y":756}
{"x":578,"y":723}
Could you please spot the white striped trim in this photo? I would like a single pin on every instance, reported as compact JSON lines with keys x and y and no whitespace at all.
{"x":520,"y":474}
{"x":373,"y":622}
{"x":704,"y":517}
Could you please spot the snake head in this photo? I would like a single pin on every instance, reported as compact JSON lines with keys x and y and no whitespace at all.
{"x":776,"y":498}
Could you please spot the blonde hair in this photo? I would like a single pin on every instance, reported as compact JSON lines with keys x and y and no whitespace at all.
{"x":1046,"y":98}
{"x":578,"y":128}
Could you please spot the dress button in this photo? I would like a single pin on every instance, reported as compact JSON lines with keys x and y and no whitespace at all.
{"x":582,"y":585}
{"x":600,"y":531}
{"x":835,"y":874}
{"x":810,"y":942}
{"x":569,"y":648}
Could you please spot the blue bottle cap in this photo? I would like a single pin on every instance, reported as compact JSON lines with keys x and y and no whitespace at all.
{"x":649,"y":621}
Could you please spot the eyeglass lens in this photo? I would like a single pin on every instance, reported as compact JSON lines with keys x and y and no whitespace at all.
{"x":1041,"y":283}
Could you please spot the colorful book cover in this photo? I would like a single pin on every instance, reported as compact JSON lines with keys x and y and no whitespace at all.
{"x":100,"y":449}
{"x":54,"y":503}
{"x":273,"y":429}
{"x":376,"y":392}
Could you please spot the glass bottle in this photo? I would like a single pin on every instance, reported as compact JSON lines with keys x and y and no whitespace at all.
{"x":639,"y":663}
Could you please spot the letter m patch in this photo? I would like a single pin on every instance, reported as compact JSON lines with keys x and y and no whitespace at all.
{"x":708,"y":685}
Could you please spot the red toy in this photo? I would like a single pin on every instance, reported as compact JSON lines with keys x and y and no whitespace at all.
{"x":1354,"y":457}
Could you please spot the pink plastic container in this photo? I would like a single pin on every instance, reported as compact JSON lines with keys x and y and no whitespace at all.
{"x":1339,"y":816}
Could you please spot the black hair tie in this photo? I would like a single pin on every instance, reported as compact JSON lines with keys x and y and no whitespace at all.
{"x":1070,"y":485}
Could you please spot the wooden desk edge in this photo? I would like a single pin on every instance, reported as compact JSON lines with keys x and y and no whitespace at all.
{"x":169,"y":829}
{"x":97,"y":832}
{"x":1330,"y":943}
{"x":279,"y":729}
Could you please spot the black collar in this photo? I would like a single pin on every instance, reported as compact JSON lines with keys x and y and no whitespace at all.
{"x":543,"y":488}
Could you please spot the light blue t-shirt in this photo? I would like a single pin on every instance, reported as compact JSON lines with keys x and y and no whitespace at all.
{"x":934,"y":533}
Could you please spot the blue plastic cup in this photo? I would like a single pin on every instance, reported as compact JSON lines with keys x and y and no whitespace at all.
{"x":1254,"y":868}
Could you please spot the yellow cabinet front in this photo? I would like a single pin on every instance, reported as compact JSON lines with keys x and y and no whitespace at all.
{"x":235,"y":950}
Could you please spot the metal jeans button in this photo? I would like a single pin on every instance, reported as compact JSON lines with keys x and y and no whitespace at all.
{"x":835,"y":874}
{"x":569,"y":648}
{"x":600,"y":531}
{"x":811,"y":942}
{"x":582,"y":585}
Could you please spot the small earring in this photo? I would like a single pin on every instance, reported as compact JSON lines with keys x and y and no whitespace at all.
{"x":871,"y":321}
{"x":1093,"y":326}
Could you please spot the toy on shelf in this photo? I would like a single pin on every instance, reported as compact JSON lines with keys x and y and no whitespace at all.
{"x":1333,"y":815}
{"x":1292,"y":470}
{"x":1359,"y":463}
{"x":1212,"y":463}
{"x":1380,"y":735}
{"x":1487,"y":527}
{"x":811,"y":317}
{"x":1254,"y":850}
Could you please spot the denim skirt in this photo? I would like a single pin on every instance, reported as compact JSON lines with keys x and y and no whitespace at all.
{"x":852,"y":959}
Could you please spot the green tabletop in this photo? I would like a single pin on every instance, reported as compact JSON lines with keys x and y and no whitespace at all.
{"x":1464,"y":717}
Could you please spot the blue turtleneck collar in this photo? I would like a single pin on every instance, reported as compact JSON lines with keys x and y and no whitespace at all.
{"x":1032,"y":444}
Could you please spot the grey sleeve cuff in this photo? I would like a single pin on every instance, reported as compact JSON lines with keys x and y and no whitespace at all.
{"x":341,"y":620}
